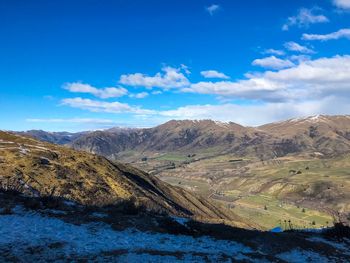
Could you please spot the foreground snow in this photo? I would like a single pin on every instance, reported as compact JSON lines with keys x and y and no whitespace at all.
{"x":23,"y":231}
{"x":28,"y":236}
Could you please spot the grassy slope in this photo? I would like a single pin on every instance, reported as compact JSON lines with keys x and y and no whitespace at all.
{"x":40,"y":168}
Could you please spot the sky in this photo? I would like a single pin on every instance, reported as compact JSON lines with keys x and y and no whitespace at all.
{"x":94,"y":64}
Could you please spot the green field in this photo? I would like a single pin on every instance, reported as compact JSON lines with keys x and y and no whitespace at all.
{"x":270,"y":212}
{"x":284,"y":185}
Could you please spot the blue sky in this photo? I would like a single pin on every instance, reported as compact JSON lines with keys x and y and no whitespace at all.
{"x":79,"y":65}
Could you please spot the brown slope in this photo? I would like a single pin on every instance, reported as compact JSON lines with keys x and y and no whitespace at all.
{"x":183,"y":135}
{"x":38,"y":168}
{"x":328,"y":135}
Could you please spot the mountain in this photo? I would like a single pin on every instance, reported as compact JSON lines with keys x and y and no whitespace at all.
{"x":186,"y":136}
{"x":53,"y":137}
{"x":327,"y":135}
{"x":322,"y":135}
{"x":37,"y":168}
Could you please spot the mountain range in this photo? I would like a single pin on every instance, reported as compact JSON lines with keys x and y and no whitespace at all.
{"x":316,"y":135}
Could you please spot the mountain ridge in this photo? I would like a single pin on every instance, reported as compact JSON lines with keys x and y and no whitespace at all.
{"x":325,"y":134}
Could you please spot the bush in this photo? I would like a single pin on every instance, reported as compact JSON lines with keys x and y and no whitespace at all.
{"x":32,"y":203}
{"x":50,"y":202}
{"x":338,"y":231}
{"x":7,"y":210}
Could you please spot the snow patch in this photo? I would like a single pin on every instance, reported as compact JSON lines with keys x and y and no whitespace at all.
{"x":23,"y":150}
{"x":181,"y":220}
{"x":5,"y":142}
{"x":302,"y":256}
{"x":337,"y":245}
{"x":99,"y":215}
{"x":29,"y":229}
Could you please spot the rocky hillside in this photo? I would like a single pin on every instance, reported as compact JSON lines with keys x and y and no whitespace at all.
{"x":42,"y":169}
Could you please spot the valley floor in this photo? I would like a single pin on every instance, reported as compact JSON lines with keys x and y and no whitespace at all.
{"x":307,"y":191}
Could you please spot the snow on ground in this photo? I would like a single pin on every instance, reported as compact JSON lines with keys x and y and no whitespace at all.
{"x":37,"y":147}
{"x":338,"y":245}
{"x":5,"y":142}
{"x":29,"y":236}
{"x":301,"y":256}
{"x":180,"y":220}
{"x":24,"y":230}
{"x":23,"y":150}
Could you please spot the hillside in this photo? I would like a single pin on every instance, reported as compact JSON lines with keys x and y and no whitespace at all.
{"x":35,"y":232}
{"x":322,"y":135}
{"x":174,"y":136}
{"x":327,"y":135}
{"x":42,"y":169}
{"x":288,"y":167}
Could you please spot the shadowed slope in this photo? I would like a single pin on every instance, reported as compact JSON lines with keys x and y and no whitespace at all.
{"x":37,"y":168}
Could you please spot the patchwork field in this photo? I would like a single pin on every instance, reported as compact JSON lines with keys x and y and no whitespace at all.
{"x":290,"y":192}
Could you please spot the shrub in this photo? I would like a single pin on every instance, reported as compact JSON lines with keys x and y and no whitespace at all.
{"x":338,"y":231}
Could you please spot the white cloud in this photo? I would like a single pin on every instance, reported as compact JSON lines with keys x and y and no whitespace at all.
{"x":103,"y":106}
{"x":272,"y":51}
{"x":73,"y":120}
{"x":212,"y":9}
{"x":110,"y":92}
{"x":300,"y":58}
{"x":309,"y":87}
{"x":254,"y":88}
{"x":273,"y":63}
{"x":342,"y":33}
{"x":185,"y":69}
{"x":214,"y":74}
{"x":140,"y":95}
{"x":170,"y":78}
{"x":304,"y":18}
{"x":342,"y":4}
{"x":310,"y":79}
{"x":258,"y":114}
{"x":293,"y":46}
{"x":247,"y":114}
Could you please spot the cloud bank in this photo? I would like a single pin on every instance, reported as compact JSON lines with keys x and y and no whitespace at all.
{"x":213,"y":74}
{"x":342,"y":33}
{"x":104,"y":93}
{"x":304,"y":18}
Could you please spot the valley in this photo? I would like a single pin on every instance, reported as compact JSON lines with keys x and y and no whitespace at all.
{"x":269,"y":192}
{"x":268,"y":174}
{"x":116,"y":184}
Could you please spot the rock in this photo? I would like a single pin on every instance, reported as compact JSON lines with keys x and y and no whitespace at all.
{"x":44,"y":161}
